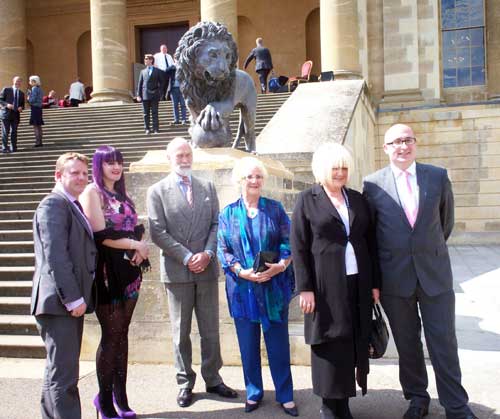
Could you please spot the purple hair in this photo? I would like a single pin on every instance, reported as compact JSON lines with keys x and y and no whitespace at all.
{"x":108,"y":154}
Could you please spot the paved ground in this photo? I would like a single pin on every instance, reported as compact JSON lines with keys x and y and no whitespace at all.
{"x":152,"y":388}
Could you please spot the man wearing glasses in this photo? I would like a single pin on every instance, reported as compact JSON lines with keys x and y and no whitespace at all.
{"x":412,"y":208}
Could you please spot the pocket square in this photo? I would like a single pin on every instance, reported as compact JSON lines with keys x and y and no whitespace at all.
{"x":207,"y":199}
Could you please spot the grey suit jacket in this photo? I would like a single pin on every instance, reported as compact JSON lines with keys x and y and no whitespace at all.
{"x":177,"y":229}
{"x":65,"y":257}
{"x":409,"y":255}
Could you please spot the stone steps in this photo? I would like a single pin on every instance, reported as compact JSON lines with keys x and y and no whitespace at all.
{"x":28,"y":175}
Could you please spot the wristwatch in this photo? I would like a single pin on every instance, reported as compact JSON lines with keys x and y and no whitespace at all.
{"x":238,"y":270}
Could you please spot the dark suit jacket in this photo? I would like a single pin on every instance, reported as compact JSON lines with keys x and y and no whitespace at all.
{"x":319,"y":240}
{"x":178,"y":229}
{"x":407,"y":255}
{"x":7,"y":97}
{"x":170,"y":72}
{"x":263,"y":60}
{"x":65,"y":257}
{"x":150,"y":87}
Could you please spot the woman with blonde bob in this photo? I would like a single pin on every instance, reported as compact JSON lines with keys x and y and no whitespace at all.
{"x":258,"y":298}
{"x":332,"y":248}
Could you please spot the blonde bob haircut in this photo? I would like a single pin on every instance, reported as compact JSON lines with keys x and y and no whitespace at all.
{"x":330,"y":156}
{"x":36,"y":79}
{"x":244,"y":167}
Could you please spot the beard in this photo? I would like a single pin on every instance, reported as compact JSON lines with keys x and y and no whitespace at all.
{"x":183,"y":171}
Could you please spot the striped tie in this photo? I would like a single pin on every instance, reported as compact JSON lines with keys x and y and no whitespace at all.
{"x":189,"y":190}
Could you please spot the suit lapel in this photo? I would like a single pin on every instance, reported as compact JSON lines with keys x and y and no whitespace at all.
{"x":77,"y":214}
{"x":351,"y":211}
{"x":180,"y":199}
{"x":423,"y":183}
{"x":324,"y":202}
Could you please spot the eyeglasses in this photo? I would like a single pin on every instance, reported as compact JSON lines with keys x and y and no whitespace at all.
{"x":256,"y":177}
{"x":403,"y":140}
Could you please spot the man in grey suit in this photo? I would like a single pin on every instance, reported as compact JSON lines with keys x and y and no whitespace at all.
{"x":412,"y":206}
{"x":183,"y":217}
{"x":65,"y":257}
{"x":263,"y":63}
{"x":149,"y":91}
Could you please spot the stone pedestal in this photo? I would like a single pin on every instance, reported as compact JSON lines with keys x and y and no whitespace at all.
{"x":110,"y":65}
{"x":223,"y":11}
{"x":340,"y":38}
{"x":13,"y":42}
{"x":150,"y":336}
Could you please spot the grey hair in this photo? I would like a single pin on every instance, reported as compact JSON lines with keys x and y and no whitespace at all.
{"x":36,"y":79}
{"x":244,"y":166}
{"x":176,"y":142}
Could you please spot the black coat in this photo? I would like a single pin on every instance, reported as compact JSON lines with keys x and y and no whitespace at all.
{"x":263,"y":60}
{"x":319,"y":241}
{"x":7,"y":97}
{"x":150,"y":87}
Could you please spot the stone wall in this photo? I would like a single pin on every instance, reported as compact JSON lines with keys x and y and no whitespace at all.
{"x":466,"y":141}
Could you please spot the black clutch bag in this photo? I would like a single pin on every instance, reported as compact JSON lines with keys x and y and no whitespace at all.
{"x":379,"y":336}
{"x":263,"y":257}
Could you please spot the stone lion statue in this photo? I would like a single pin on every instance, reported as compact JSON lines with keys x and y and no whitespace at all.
{"x":213,"y":86}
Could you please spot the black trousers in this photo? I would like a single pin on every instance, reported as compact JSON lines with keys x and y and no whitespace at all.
{"x":438,"y":319}
{"x":75,"y":102}
{"x":263,"y":74}
{"x":150,"y":109}
{"x":9,"y":126}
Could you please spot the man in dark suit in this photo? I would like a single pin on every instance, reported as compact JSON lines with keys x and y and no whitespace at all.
{"x":149,"y":90}
{"x":183,"y":216}
{"x":12,"y":104}
{"x":62,"y":291}
{"x":412,"y":206}
{"x":263,"y":63}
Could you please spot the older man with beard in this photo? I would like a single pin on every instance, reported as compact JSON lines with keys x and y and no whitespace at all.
{"x":183,"y":217}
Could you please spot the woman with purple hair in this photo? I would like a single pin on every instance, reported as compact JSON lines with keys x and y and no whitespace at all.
{"x":122,"y":256}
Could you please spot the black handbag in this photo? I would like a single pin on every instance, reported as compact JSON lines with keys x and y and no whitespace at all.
{"x":263,"y":257}
{"x":379,"y":336}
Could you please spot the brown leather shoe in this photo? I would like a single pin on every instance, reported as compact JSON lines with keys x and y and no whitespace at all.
{"x":185,"y":397}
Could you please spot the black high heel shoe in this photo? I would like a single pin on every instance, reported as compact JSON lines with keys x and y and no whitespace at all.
{"x":250,"y":407}
{"x":292,"y":411}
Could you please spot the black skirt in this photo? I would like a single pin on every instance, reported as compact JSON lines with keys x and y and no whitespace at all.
{"x":36,"y":116}
{"x":333,"y":363}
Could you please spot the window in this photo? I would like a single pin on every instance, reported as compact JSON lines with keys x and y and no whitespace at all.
{"x":462,"y":25}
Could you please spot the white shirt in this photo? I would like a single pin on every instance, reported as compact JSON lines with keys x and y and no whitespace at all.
{"x":351,"y":264}
{"x":407,"y":201}
{"x":76,"y":90}
{"x":160,"y":62}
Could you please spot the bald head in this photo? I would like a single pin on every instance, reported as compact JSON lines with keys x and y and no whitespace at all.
{"x":398,"y":131}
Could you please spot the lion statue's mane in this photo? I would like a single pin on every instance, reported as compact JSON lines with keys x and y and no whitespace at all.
{"x":196,"y":90}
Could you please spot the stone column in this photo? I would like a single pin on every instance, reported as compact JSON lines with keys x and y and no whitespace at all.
{"x":340,"y":38}
{"x":401,"y":55}
{"x":110,"y":64}
{"x":493,"y":46}
{"x":223,"y":11}
{"x":13,"y":61}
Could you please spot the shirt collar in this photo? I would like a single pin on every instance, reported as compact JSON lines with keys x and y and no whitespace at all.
{"x":59,"y":187}
{"x":412,"y":170}
{"x":179,"y":177}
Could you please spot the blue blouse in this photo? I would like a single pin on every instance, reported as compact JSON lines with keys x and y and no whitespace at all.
{"x":35,"y":98}
{"x":240,"y":238}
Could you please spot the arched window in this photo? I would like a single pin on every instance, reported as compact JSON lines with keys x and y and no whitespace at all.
{"x":463,"y":52}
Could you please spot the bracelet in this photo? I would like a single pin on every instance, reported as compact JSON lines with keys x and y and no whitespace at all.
{"x":282,"y":263}
{"x":238,"y":270}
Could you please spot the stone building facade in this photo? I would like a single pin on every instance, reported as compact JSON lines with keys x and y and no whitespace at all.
{"x":432,"y":63}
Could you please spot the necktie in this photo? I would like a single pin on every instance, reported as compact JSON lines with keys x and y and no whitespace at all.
{"x":15,"y":99}
{"x":166,"y":61}
{"x":77,"y":203}
{"x":189,"y":190}
{"x":410,"y":206}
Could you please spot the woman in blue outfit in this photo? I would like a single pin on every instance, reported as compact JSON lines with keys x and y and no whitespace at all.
{"x":35,"y":97}
{"x":258,"y":299}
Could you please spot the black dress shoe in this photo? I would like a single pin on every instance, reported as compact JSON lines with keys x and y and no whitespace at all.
{"x":415,"y":412}
{"x":250,"y":407}
{"x":292,"y":411}
{"x":185,"y":397}
{"x":223,"y":391}
{"x":326,"y":413}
